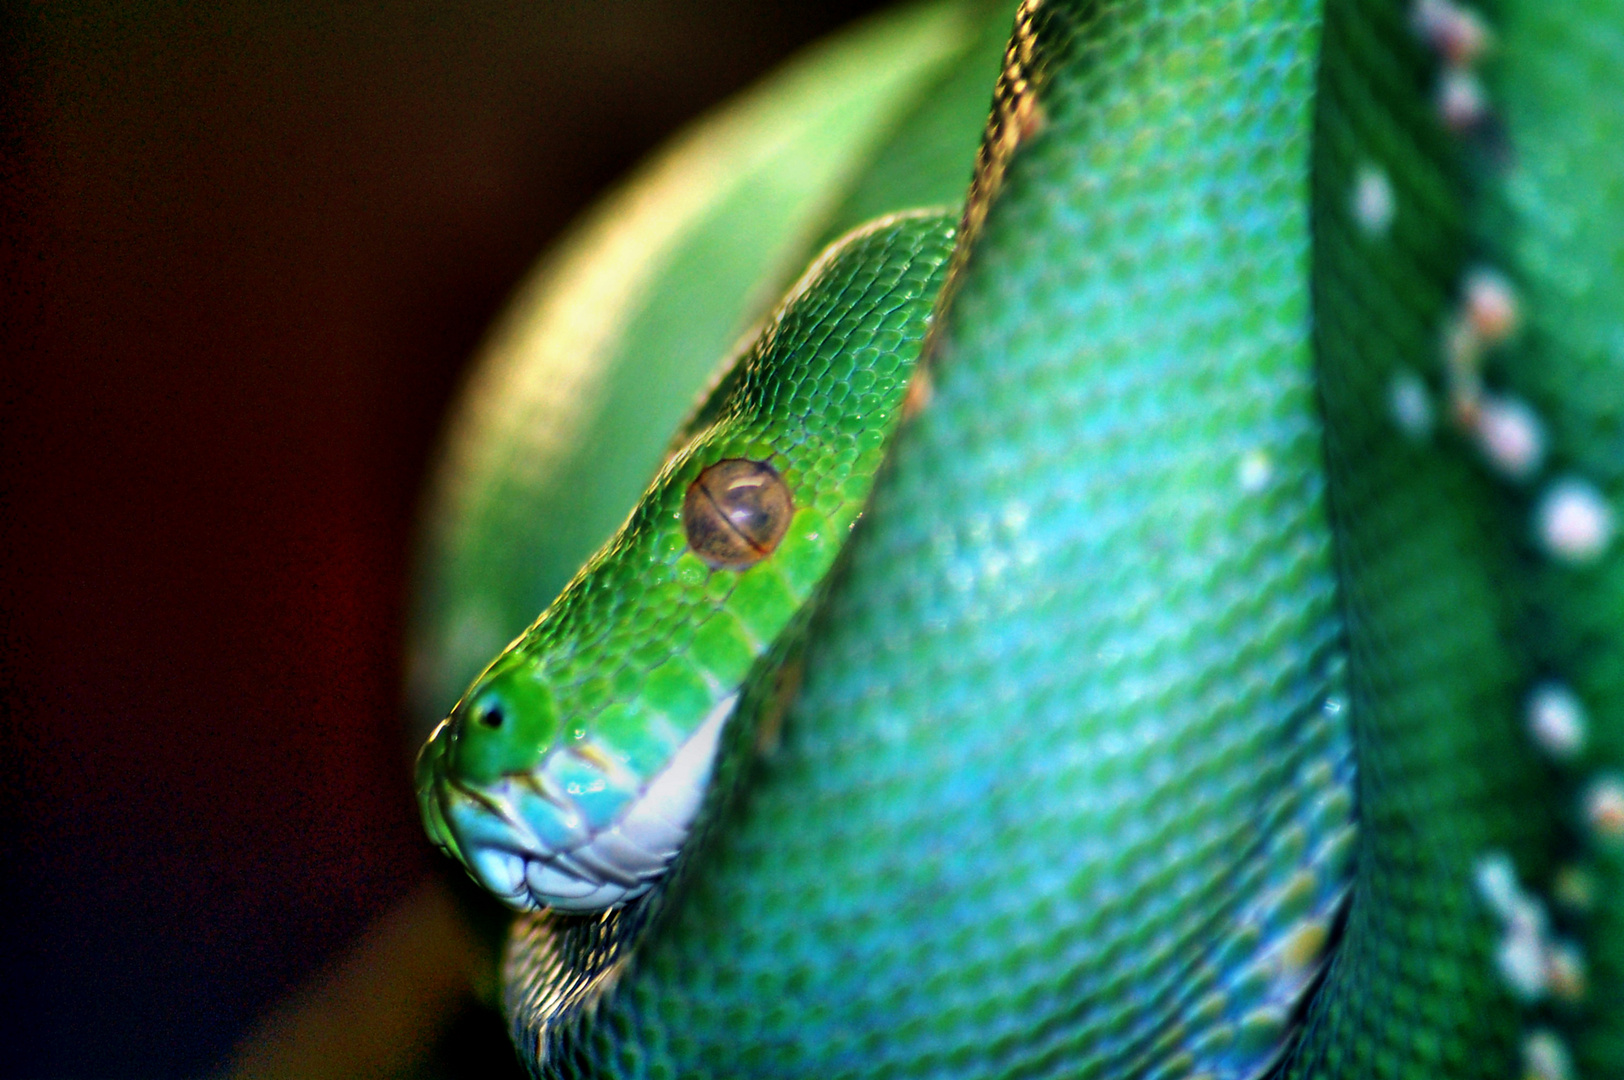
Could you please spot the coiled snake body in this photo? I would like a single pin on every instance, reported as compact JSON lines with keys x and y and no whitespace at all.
{"x":1227,"y":673}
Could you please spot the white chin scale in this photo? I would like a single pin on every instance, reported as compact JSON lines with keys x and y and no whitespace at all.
{"x":595,"y":871}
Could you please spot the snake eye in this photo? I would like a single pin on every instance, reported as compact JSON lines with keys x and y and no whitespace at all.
{"x":735,"y":513}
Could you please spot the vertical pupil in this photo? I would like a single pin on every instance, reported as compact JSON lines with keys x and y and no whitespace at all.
{"x":742,"y":502}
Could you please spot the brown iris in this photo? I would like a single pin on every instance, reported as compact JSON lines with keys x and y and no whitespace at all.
{"x":735,"y":513}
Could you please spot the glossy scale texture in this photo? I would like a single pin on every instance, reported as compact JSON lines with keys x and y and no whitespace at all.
{"x":593,"y":701}
{"x":1069,"y":776}
{"x":1203,"y":490}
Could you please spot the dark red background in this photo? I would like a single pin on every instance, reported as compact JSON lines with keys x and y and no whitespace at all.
{"x":246,"y":249}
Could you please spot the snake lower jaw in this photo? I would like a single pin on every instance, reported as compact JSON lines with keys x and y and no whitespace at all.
{"x":532,"y":846}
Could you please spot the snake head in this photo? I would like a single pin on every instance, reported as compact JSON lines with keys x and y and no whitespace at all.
{"x":575,"y":767}
{"x":573,"y":770}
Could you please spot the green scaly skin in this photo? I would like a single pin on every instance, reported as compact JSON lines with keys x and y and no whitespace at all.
{"x":575,"y":718}
{"x":1063,"y":756}
{"x":608,"y":342}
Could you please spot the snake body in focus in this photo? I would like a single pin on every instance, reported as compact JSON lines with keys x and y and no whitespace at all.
{"x":1227,"y":674}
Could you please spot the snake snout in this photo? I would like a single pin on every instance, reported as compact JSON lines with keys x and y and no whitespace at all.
{"x":577,"y":835}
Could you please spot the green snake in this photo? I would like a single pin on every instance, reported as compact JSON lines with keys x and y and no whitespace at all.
{"x":1225,"y":676}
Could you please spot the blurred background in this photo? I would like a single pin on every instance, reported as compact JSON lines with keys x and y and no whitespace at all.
{"x":246,"y":250}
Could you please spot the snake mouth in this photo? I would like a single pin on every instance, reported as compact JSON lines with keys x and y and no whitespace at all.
{"x":545,"y":838}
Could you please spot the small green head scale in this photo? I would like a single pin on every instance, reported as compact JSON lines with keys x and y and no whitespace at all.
{"x":573,"y":769}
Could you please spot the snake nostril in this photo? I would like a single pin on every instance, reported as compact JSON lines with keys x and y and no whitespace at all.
{"x":491,"y":716}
